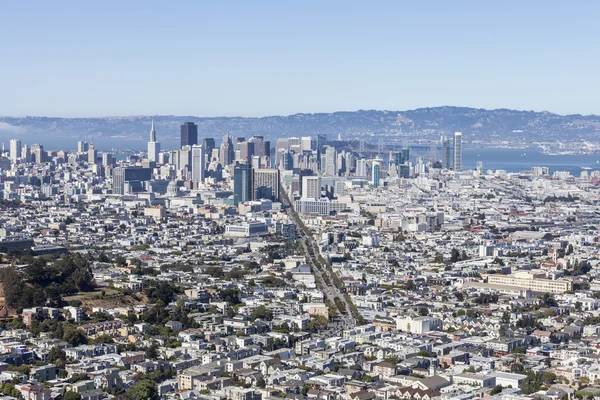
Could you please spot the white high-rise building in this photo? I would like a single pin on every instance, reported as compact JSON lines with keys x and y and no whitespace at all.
{"x":82,"y":147}
{"x":457,"y":151}
{"x":26,"y":153}
{"x":15,"y":149}
{"x":153,"y":145}
{"x":330,"y":161}
{"x":311,"y":187}
{"x":198,"y":165}
{"x":361,"y":167}
{"x":307,"y":143}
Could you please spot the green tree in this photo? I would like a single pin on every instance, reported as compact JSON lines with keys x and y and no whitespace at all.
{"x":317,"y":323}
{"x":261,"y":312}
{"x":497,"y":389}
{"x":71,"y":396}
{"x":75,"y":337}
{"x":144,"y":389}
{"x":152,"y":351}
{"x":548,"y":378}
{"x":454,"y":255}
{"x":56,"y":354}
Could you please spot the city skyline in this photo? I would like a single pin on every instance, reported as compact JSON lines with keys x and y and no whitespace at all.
{"x":278,"y":59}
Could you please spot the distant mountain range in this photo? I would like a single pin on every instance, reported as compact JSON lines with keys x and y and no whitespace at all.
{"x":477,"y":125}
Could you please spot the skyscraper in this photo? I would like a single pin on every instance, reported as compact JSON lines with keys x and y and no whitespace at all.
{"x":82,"y":147}
{"x":153,"y":145}
{"x":262,"y":147}
{"x":226,"y":151}
{"x":457,"y":151}
{"x":208,"y":144}
{"x":265,"y":184}
{"x":92,"y":154}
{"x":129,"y":174}
{"x":330,"y":167}
{"x":246,"y":151}
{"x":311,"y":187}
{"x":15,"y":149}
{"x":242,"y":183}
{"x":446,"y":153}
{"x":198,"y":165}
{"x":38,"y":154}
{"x":361,"y":167}
{"x":189,"y":134}
{"x":376,"y":172}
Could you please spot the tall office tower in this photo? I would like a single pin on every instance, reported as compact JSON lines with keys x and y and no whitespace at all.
{"x":15,"y":149}
{"x":376,"y":172}
{"x":311,"y":187}
{"x":457,"y":151}
{"x":292,"y":141}
{"x":446,"y":153}
{"x":26,"y":153}
{"x":402,"y":156}
{"x":108,"y":159}
{"x":198,"y":165}
{"x":307,"y":143}
{"x":38,"y":155}
{"x":242,"y":183}
{"x":280,"y":144}
{"x":405,"y":155}
{"x":348,"y":162}
{"x":262,"y":147}
{"x":163,"y":158}
{"x":320,"y":144}
{"x":174,"y":159}
{"x":189,"y":134}
{"x":246,"y":152}
{"x":121,"y":175}
{"x":82,"y":147}
{"x":361,"y":167}
{"x":330,"y":161}
{"x":185,"y":160}
{"x":208,"y":144}
{"x":285,"y":161}
{"x":341,"y":164}
{"x":92,"y":154}
{"x":265,"y":184}
{"x":226,"y":151}
{"x":153,"y":145}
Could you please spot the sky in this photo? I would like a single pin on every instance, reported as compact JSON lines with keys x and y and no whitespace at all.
{"x":258,"y":58}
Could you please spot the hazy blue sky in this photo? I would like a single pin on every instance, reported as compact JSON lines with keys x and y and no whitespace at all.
{"x":255,"y":58}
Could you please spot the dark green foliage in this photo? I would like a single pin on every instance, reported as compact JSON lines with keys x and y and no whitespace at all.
{"x":144,"y":389}
{"x":71,"y":396}
{"x":231,"y":296}
{"x":163,"y":291}
{"x":486,"y":298}
{"x":45,"y":280}
{"x":272,"y":281}
{"x":261,"y":312}
{"x":152,"y":351}
{"x":497,"y":389}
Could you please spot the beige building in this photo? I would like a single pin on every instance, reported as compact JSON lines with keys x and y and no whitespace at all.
{"x":157,"y":212}
{"x":531,"y":281}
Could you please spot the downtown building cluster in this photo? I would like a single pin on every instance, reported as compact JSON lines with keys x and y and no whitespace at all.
{"x":307,"y":270}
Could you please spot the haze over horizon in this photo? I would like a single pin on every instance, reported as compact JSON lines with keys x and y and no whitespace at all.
{"x":270,"y":58}
{"x":284,"y":115}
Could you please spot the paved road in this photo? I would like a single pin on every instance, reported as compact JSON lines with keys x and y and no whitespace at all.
{"x":311,"y":252}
